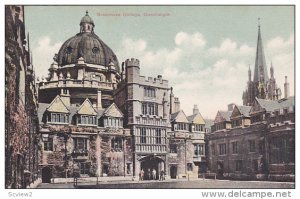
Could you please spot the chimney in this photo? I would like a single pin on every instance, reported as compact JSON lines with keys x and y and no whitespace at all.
{"x":195,"y":109}
{"x":286,"y":88}
{"x":172,"y":101}
{"x":65,"y":96}
{"x":99,"y":97}
{"x":176,"y":104}
{"x":230,"y":107}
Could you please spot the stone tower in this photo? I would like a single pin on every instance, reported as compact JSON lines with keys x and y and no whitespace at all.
{"x":261,"y":86}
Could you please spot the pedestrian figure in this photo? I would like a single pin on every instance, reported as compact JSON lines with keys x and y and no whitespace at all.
{"x":148,"y":174}
{"x":162,"y":175}
{"x":154,"y":174}
{"x":142,"y":175}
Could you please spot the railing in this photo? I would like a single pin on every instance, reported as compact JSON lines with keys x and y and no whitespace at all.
{"x":151,"y":148}
{"x":76,"y":84}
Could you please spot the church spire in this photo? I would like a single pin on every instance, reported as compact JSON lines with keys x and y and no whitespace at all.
{"x":272,"y":71}
{"x":249,"y":74}
{"x":260,"y":70}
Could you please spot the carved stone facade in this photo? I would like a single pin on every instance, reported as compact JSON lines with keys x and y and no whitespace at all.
{"x":21,"y":123}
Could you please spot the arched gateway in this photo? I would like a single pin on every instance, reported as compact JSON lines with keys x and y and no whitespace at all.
{"x":149,"y":163}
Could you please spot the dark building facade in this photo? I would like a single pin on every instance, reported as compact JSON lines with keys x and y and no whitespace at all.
{"x":21,"y":123}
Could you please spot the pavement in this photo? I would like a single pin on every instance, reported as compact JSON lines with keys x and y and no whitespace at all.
{"x":172,"y":183}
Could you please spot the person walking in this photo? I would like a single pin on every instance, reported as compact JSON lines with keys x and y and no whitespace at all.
{"x":154,"y":174}
{"x":162,"y":175}
{"x":148,"y":174}
{"x":142,"y":175}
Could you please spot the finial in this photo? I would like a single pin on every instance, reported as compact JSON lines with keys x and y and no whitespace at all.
{"x":86,"y":13}
{"x":258,"y":22}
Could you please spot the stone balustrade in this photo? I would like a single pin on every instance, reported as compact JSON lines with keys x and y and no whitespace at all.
{"x":72,"y":83}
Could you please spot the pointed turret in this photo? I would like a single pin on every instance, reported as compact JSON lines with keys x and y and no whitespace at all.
{"x":249,"y":74}
{"x":272,"y":71}
{"x":286,"y":88}
{"x":260,"y":70}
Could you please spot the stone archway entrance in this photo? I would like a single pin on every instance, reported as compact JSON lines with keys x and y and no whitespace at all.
{"x":150,"y":163}
{"x":46,"y":175}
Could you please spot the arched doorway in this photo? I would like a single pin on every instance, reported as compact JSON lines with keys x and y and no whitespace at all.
{"x":150,"y":163}
{"x":46,"y":175}
{"x":173,"y":171}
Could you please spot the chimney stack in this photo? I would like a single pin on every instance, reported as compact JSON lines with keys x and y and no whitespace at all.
{"x":195,"y":109}
{"x":286,"y":88}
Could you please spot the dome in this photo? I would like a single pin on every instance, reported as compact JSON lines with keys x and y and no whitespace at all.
{"x":88,"y":45}
{"x":87,"y":19}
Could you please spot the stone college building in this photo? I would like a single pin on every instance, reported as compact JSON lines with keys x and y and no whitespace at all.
{"x":93,"y":116}
{"x":106,"y":119}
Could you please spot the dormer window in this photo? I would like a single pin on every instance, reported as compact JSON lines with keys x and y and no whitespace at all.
{"x":69,"y":50}
{"x":181,"y":126}
{"x":58,"y":118}
{"x":198,"y":127}
{"x":113,"y":122}
{"x":86,"y":120}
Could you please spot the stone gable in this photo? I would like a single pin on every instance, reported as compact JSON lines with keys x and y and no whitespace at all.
{"x":236,"y":112}
{"x":219,"y":118}
{"x":113,"y":111}
{"x":181,"y":117}
{"x":198,"y":119}
{"x":87,"y":108}
{"x":57,"y":105}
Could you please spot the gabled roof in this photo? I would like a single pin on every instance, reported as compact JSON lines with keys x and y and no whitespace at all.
{"x":58,"y":106}
{"x":196,"y":118}
{"x":113,"y":111}
{"x":87,"y":108}
{"x":41,"y":110}
{"x":179,"y":117}
{"x":287,"y":102}
{"x":268,"y":105}
{"x":244,"y":110}
{"x":226,"y":114}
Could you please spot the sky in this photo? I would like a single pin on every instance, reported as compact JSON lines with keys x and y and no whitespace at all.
{"x":204,"y":51}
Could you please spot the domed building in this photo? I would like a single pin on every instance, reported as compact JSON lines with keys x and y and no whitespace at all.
{"x":81,"y":127}
{"x":85,"y":103}
{"x":84,"y":66}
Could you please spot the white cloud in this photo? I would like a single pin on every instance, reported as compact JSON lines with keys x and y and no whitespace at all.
{"x":281,"y":52}
{"x":211,"y":77}
{"x":43,"y":53}
{"x":230,"y":48}
{"x":190,"y":40}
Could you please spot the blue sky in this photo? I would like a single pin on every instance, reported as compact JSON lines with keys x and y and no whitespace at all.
{"x":204,"y":51}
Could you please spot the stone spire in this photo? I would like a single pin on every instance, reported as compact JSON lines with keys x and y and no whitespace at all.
{"x":260,"y":70}
{"x":249,"y":74}
{"x":272,"y":71}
